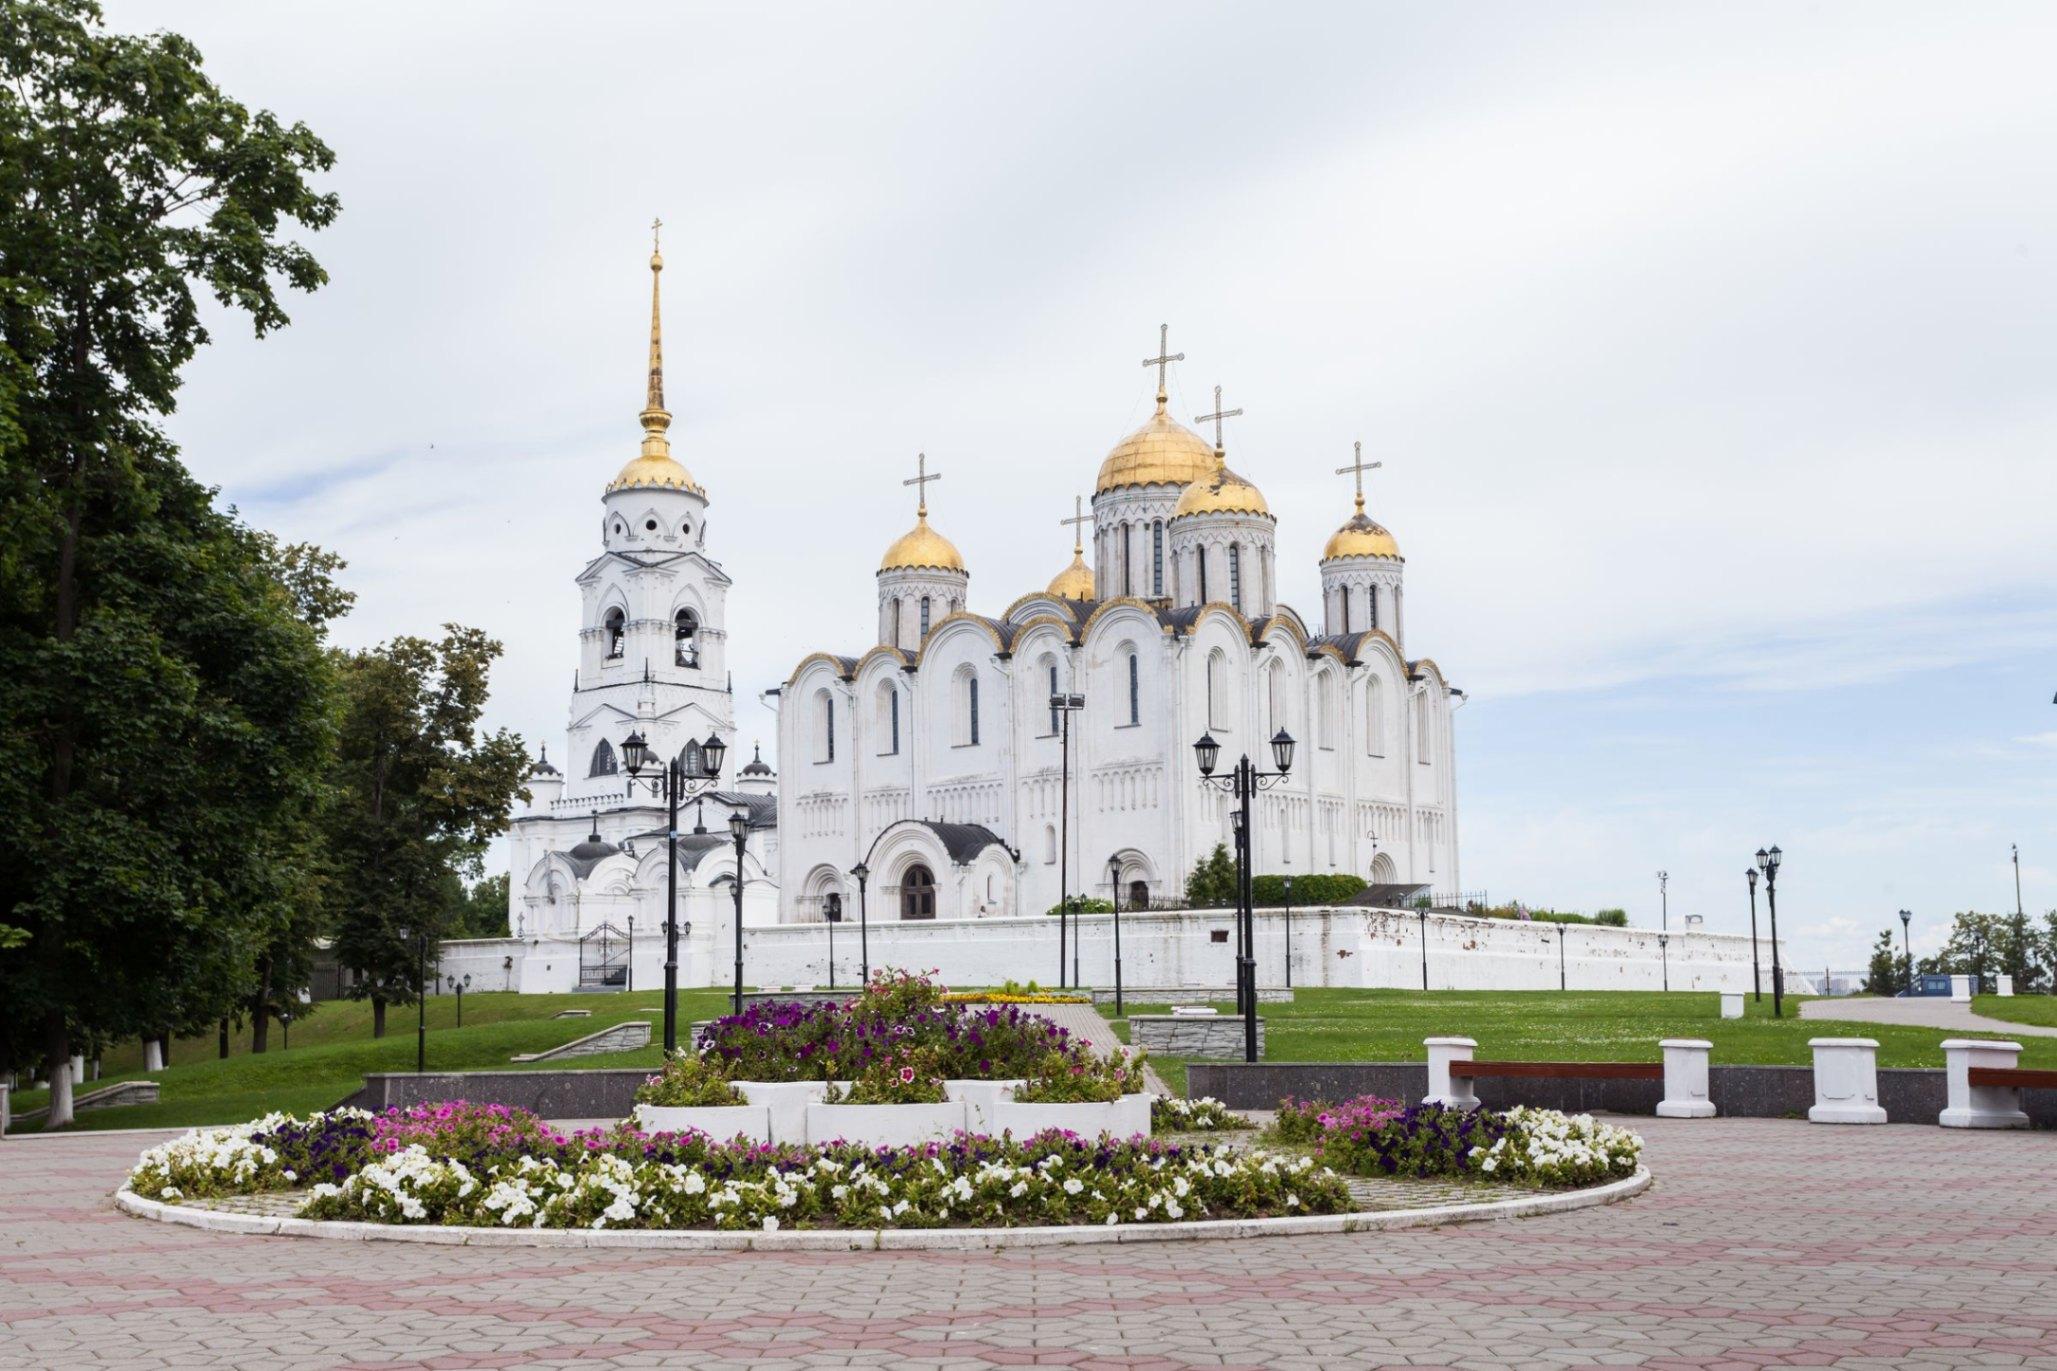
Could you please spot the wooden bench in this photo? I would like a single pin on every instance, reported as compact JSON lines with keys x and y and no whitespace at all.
{"x":1590,"y":1071}
{"x":1682,"y":1073}
{"x":2013,"y":1078}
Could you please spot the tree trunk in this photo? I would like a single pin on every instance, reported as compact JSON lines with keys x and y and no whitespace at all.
{"x":260,"y":1029}
{"x":224,"y":1039}
{"x":57,"y":1039}
{"x":378,"y":1018}
{"x":164,"y":1044}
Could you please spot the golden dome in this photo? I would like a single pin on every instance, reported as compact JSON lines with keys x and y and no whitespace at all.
{"x":1220,"y":491}
{"x":1075,"y":582}
{"x":654,"y":468}
{"x":1161,"y":452}
{"x":922,"y":548}
{"x":1361,"y":538}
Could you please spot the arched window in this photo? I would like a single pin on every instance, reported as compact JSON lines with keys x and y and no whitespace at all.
{"x":896,"y":625}
{"x":1421,"y":726}
{"x":1157,"y":557}
{"x":1374,"y":719}
{"x":1125,"y":560}
{"x":1053,"y":693}
{"x":1135,"y":691}
{"x":964,"y":692}
{"x":924,"y":617}
{"x":604,"y":763}
{"x":1343,"y":594}
{"x":824,"y":726}
{"x":1217,"y":690}
{"x":972,"y":704}
{"x":1275,"y":697}
{"x":1200,"y":556}
{"x":1371,"y":606}
{"x":1049,"y":844}
{"x":616,"y":625}
{"x":887,"y":717}
{"x":685,"y":627}
{"x":1235,"y":576}
{"x":918,"y":893}
{"x":693,"y":759}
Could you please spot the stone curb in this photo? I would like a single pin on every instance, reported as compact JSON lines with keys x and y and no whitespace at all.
{"x":889,"y":1240}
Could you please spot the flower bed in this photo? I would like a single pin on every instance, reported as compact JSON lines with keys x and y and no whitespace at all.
{"x":1203,"y":1115}
{"x":1540,"y":1148}
{"x":459,"y":1166}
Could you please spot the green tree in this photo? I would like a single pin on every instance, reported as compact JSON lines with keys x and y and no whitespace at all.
{"x":1886,"y":974}
{"x":419,"y":792}
{"x":1987,"y":944}
{"x":1213,"y":882}
{"x":162,"y":704}
{"x":479,"y":910}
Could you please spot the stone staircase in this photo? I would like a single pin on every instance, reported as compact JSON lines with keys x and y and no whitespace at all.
{"x":622,"y":1037}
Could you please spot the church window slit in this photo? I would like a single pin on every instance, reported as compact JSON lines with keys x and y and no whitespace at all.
{"x":1235,"y":576}
{"x":1200,"y":555}
{"x":1343,"y":593}
{"x":1157,"y":557}
{"x":924,"y":616}
{"x":1135,"y":694}
{"x":1053,"y":697}
{"x":1371,"y":606}
{"x":1125,"y":561}
{"x":893,"y":706}
{"x":972,"y":703}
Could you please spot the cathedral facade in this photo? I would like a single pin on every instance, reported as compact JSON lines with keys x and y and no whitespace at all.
{"x":587,"y":855}
{"x":970,"y":765}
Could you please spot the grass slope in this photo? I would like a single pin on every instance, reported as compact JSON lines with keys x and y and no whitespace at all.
{"x":2039,"y":1010}
{"x":333,"y":1050}
{"x":1546,"y":1025}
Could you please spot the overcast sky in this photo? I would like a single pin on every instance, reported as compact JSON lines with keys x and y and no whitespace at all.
{"x":1709,"y":350}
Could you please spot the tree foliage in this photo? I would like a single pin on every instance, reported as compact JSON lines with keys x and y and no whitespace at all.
{"x":1988,"y":944}
{"x":419,"y":794}
{"x":1887,"y":972}
{"x":164,"y":715}
{"x":1212,"y":885}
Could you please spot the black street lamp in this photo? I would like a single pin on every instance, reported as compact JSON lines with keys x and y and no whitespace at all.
{"x":421,"y":999}
{"x":1907,"y":942}
{"x":1064,"y":706}
{"x":863,"y":874}
{"x":739,"y":829}
{"x":457,"y":987}
{"x":1756,"y":977}
{"x":1664,"y":926}
{"x":1114,"y":889}
{"x":1664,"y":957}
{"x":673,"y":784}
{"x":1563,"y":980}
{"x":1768,"y":862}
{"x":629,"y":981}
{"x":1289,"y":930}
{"x":286,"y":1028}
{"x":1245,"y":781}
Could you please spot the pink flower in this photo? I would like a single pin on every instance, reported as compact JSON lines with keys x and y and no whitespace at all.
{"x":907,"y":1075}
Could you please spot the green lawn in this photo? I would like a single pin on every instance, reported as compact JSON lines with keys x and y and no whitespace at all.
{"x":2040,"y":1010}
{"x":1543,"y":1025}
{"x":333,"y":1050}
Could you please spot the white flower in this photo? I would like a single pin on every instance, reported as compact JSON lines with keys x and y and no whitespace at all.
{"x":771,"y":1223}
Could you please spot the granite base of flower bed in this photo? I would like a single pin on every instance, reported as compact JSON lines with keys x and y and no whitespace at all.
{"x":884,"y":1125}
{"x":272,"y":1214}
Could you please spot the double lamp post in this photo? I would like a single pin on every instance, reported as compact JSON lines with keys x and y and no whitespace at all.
{"x":674,"y":785}
{"x":1244,"y":781}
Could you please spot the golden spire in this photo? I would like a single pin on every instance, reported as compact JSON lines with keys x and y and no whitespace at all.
{"x":656,"y":419}
{"x":1075,"y":582}
{"x":1164,"y":358}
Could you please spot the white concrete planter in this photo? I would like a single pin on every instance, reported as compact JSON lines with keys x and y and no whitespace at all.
{"x":980,"y":1098}
{"x":718,"y":1121}
{"x":1731,"y":1004}
{"x":1960,"y":990}
{"x":788,"y":1102}
{"x":1685,"y":1079}
{"x":1123,"y":1118}
{"x":1984,"y":1106}
{"x":2005,"y":985}
{"x":1845,"y":1081}
{"x":884,"y":1125}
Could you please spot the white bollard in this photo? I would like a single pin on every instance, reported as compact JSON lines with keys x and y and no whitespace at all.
{"x":1981,"y":1106}
{"x":1443,"y":1088}
{"x":1845,"y":1081}
{"x":2005,"y":986}
{"x":1960,"y":990}
{"x":153,"y":1055}
{"x":1731,"y":1004}
{"x":1685,"y":1079}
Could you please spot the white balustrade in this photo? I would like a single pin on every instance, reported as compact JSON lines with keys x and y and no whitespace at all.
{"x":1685,"y":1079}
{"x":1981,"y":1106}
{"x":1845,"y":1081}
{"x":1443,"y":1088}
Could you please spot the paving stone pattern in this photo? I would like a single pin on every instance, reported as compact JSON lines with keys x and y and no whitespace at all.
{"x":1765,"y":1243}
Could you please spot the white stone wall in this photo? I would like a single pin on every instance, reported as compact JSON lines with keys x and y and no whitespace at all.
{"x":1330,"y":947}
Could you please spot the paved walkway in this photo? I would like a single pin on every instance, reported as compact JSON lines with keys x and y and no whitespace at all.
{"x":1922,"y":1011}
{"x":1765,"y":1243}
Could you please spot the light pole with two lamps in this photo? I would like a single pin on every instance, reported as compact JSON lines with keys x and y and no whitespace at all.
{"x":674,"y":786}
{"x":1768,"y":862}
{"x":1243,"y":782}
{"x":739,"y":830}
{"x":1065,"y":705}
{"x":457,"y":987}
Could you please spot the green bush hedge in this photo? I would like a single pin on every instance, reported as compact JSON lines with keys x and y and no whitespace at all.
{"x":1313,"y":888}
{"x":1081,"y":905}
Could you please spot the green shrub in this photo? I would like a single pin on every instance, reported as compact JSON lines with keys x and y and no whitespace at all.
{"x":1314,"y":888}
{"x":1213,"y":883}
{"x":689,"y":1081}
{"x":1082,"y":905}
{"x":1612,"y":918}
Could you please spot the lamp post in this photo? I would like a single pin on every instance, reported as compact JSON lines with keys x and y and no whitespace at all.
{"x":1563,"y":980}
{"x":1756,"y":977}
{"x":832,"y":914}
{"x":1114,"y":889}
{"x":1664,"y":958}
{"x":421,"y":999}
{"x":1421,"y":911}
{"x":1289,"y":930}
{"x":629,"y":983}
{"x":863,"y":874}
{"x":1768,"y":862}
{"x":1243,"y":782}
{"x":286,"y":1029}
{"x":1063,"y":706}
{"x":2018,"y":964}
{"x":1664,"y":925}
{"x":673,"y":784}
{"x":739,"y":829}
{"x":1907,"y":942}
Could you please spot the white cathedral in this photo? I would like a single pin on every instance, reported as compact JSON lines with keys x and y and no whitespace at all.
{"x":587,"y":855}
{"x":936,"y":764}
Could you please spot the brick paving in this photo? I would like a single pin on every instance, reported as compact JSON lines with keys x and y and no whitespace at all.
{"x":1765,"y":1243}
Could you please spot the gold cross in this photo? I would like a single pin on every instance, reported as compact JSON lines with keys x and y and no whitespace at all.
{"x":920,"y":481}
{"x":1164,"y":358}
{"x":1216,"y":417}
{"x":1359,"y":467}
{"x":655,"y":225}
{"x":1078,"y":516}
